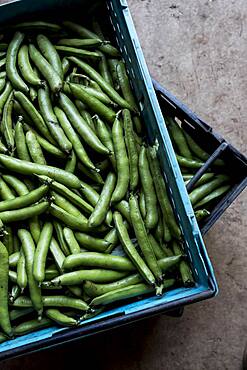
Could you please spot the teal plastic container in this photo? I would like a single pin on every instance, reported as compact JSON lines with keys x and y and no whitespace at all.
{"x":123,"y":33}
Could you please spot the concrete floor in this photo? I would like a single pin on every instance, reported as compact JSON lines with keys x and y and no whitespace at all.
{"x":197,"y":49}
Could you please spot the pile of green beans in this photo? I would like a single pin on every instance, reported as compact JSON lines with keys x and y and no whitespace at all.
{"x":85,"y":216}
{"x":211,"y":185}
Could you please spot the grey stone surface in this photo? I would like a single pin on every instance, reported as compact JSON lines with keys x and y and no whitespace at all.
{"x":196,"y":49}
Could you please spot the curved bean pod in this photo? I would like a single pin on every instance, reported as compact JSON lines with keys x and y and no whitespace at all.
{"x":29,"y":250}
{"x":29,"y":168}
{"x":51,"y":120}
{"x":26,"y":69}
{"x":51,"y":76}
{"x":122,"y":162}
{"x":24,"y":213}
{"x":11,"y":60}
{"x":108,"y":89}
{"x":80,"y":125}
{"x":73,"y":138}
{"x":4,"y":271}
{"x":102,"y":206}
{"x":142,"y":238}
{"x":50,"y":53}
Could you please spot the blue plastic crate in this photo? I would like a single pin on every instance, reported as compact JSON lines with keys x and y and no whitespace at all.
{"x":124,"y":33}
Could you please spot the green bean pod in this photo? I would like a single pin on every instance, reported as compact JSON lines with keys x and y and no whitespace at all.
{"x":89,"y":193}
{"x":67,"y":206}
{"x":151,"y":218}
{"x":131,"y":251}
{"x":199,"y":152}
{"x":167,"y":237}
{"x":85,"y":95}
{"x":35,"y":228}
{"x":51,"y":120}
{"x":50,"y":53}
{"x":45,"y":144}
{"x":102,"y":206}
{"x":91,"y":243}
{"x":98,"y":260}
{"x":29,"y":168}
{"x":65,"y":65}
{"x":71,"y":162}
{"x":31,"y":325}
{"x":29,"y":251}
{"x":73,"y":138}
{"x":200,"y":192}
{"x":80,"y":125}
{"x":162,"y":195}
{"x":24,"y":200}
{"x":81,"y":43}
{"x":124,"y":208}
{"x":104,"y":70}
{"x":188,"y":163}
{"x":8,"y":239}
{"x":122,"y":162}
{"x":131,"y":149}
{"x":142,"y":204}
{"x":67,"y":193}
{"x":60,"y":237}
{"x":4,"y":271}
{"x":34,"y":148}
{"x":71,"y":241}
{"x":35,"y":116}
{"x":11,"y":63}
{"x":20,"y":140}
{"x":80,"y":53}
{"x":125,"y":84}
{"x":70,"y":220}
{"x":2,"y":84}
{"x":112,"y":238}
{"x":4,"y":96}
{"x":95,"y":93}
{"x":95,"y":275}
{"x":36,"y":26}
{"x":5,"y":192}
{"x":24,"y":213}
{"x":7,"y":124}
{"x":185,"y":270}
{"x":142,"y":238}
{"x":28,"y":73}
{"x":60,"y":318}
{"x":158,"y":250}
{"x":85,"y":33}
{"x":41,"y":252}
{"x":21,"y":272}
{"x":95,"y":289}
{"x":214,"y":194}
{"x":13,"y":259}
{"x":108,"y":89}
{"x":178,"y":137}
{"x":205,"y":178}
{"x":123,"y":293}
{"x":45,"y":68}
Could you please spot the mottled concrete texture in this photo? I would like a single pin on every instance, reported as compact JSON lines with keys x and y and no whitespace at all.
{"x":198,"y":50}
